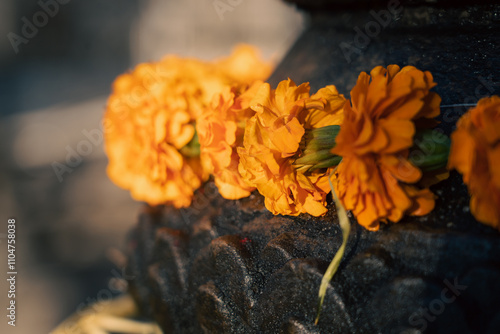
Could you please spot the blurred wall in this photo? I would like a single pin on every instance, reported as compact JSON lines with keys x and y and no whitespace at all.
{"x":83,"y":45}
{"x":68,"y":53}
{"x":209,"y":28}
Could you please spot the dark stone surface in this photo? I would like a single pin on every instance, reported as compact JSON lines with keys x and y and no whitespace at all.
{"x":232,"y":267}
{"x":459,"y":46}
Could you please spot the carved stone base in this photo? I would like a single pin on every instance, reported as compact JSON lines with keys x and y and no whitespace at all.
{"x":232,"y":267}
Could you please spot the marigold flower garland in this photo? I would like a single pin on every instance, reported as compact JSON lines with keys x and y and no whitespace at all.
{"x":171,"y":124}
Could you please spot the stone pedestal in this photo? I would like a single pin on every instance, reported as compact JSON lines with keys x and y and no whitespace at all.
{"x":232,"y":267}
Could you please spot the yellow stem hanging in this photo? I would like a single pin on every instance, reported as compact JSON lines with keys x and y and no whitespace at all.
{"x":345,"y":225}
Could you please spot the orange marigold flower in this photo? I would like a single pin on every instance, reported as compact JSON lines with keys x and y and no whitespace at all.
{"x":220,"y":130}
{"x":475,"y":153}
{"x":245,"y":65}
{"x":272,"y":143}
{"x":150,"y":134}
{"x":373,"y":180}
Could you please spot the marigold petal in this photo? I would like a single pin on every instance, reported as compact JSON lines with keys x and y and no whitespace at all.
{"x":378,"y":143}
{"x":488,"y":121}
{"x":408,"y":109}
{"x":398,"y":197}
{"x":369,"y":217}
{"x":367,"y":130}
{"x":494,"y":164}
{"x":400,"y":132}
{"x":485,"y":210}
{"x":423,"y":201}
{"x":287,"y":138}
{"x":462,"y":153}
{"x":394,"y":69}
{"x":401,"y":168}
{"x":313,"y":207}
{"x":230,"y":190}
{"x":330,"y":113}
{"x":244,"y":65}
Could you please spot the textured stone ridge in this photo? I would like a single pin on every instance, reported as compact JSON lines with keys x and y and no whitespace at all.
{"x":232,"y":267}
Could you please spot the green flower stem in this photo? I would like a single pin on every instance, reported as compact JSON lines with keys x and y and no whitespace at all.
{"x":345,"y":225}
{"x":316,"y":149}
{"x":333,"y":161}
{"x":314,"y":157}
{"x":321,"y":138}
{"x":430,"y":150}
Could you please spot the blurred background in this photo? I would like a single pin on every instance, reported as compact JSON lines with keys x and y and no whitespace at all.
{"x":58,"y":59}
